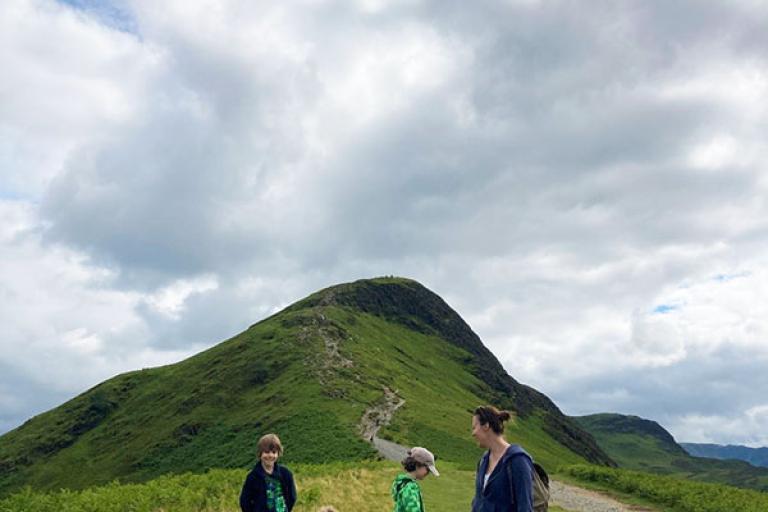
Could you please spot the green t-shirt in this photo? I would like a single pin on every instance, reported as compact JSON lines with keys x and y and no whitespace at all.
{"x":275,"y":499}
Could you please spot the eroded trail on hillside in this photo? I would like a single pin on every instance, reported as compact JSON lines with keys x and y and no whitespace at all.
{"x":377,"y":416}
{"x":576,"y":499}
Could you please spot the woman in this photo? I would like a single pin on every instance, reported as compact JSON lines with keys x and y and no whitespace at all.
{"x":504,"y":478}
{"x":405,"y":489}
{"x":269,"y":487}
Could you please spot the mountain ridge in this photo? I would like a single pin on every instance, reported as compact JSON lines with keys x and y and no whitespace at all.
{"x":643,"y":445}
{"x":755,"y":456}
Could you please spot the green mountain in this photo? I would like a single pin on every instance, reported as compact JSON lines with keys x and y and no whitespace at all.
{"x":644,"y":445}
{"x":755,"y":456}
{"x":381,"y":358}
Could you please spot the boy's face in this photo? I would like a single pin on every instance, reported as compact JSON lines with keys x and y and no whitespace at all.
{"x":269,"y":457}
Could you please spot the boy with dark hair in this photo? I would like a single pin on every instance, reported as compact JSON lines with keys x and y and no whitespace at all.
{"x":405,"y":489}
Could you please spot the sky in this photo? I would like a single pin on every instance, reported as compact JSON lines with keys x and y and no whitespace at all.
{"x":583,"y":182}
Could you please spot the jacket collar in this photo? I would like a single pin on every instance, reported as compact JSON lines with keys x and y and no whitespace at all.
{"x":259,"y":470}
{"x":512,"y":450}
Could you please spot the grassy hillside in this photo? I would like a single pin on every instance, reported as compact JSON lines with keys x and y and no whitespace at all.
{"x":308,"y":373}
{"x":643,"y":445}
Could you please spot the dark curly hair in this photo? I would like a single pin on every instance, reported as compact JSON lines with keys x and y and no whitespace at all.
{"x":411,"y":464}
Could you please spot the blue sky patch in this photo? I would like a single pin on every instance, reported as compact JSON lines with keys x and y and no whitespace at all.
{"x":662,"y":309}
{"x":110,"y":13}
{"x":730,"y":277}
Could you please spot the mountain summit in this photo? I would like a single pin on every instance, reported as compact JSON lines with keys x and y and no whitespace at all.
{"x":382,"y":358}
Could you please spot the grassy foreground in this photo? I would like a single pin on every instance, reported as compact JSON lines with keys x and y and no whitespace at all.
{"x":349,"y":487}
{"x":360,"y":487}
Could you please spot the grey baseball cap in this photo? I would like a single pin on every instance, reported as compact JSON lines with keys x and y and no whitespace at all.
{"x":424,"y":456}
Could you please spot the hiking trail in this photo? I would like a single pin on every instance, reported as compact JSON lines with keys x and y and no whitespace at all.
{"x":576,"y":499}
{"x":377,"y":416}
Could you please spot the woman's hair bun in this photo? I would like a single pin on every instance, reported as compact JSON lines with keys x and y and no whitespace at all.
{"x":489,"y":415}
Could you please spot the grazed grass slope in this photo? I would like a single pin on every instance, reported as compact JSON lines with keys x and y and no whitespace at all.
{"x":308,"y":373}
{"x":643,"y":445}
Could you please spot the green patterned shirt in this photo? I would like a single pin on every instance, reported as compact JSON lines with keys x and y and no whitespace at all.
{"x":275,"y":499}
{"x":406,"y":494}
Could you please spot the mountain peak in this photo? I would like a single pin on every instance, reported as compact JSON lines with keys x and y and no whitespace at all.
{"x":342,"y":358}
{"x":401,"y":300}
{"x":411,"y":304}
{"x":628,"y":424}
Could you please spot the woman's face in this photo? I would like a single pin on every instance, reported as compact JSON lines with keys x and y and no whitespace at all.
{"x":481,"y":433}
{"x":421,"y":472}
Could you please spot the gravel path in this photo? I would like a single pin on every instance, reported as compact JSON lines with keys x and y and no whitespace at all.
{"x":569,"y":497}
{"x":577,"y":499}
{"x":377,"y":416}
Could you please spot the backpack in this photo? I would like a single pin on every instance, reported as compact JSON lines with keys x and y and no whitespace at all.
{"x":540,"y":481}
{"x":540,"y":488}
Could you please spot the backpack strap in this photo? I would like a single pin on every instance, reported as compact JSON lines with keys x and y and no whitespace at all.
{"x":539,"y":484}
{"x":511,"y":480}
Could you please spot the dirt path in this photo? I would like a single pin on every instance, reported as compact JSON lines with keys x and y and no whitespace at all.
{"x":377,"y":416}
{"x":576,"y":499}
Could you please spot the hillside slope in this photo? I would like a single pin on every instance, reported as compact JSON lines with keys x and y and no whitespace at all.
{"x":644,"y":445}
{"x":310,"y":373}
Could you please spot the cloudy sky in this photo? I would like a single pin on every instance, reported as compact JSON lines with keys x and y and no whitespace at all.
{"x":583,"y":182}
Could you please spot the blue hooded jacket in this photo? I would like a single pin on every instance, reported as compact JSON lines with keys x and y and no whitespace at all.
{"x":510,"y":485}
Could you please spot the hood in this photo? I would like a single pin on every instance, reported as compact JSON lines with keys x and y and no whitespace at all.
{"x":513,"y":450}
{"x":398,"y":483}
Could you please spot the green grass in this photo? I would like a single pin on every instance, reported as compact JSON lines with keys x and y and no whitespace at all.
{"x":349,"y":487}
{"x":673,"y":493}
{"x":364,"y":487}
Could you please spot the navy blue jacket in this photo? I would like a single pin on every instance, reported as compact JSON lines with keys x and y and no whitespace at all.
{"x":509,"y":487}
{"x":253,"y":497}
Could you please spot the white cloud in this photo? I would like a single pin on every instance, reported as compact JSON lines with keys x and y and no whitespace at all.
{"x":750,"y":427}
{"x":571,"y":179}
{"x":66,"y":325}
{"x":170,"y":299}
{"x":72,"y":78}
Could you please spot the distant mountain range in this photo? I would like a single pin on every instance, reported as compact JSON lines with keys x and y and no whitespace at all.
{"x":644,"y":445}
{"x":755,"y":456}
{"x":383,"y":358}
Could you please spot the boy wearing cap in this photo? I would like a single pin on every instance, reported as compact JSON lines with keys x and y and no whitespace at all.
{"x":405,"y":490}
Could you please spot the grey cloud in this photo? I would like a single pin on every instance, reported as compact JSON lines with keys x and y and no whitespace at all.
{"x":21,"y":397}
{"x":700,"y":385}
{"x":551,"y":140}
{"x":555,"y":103}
